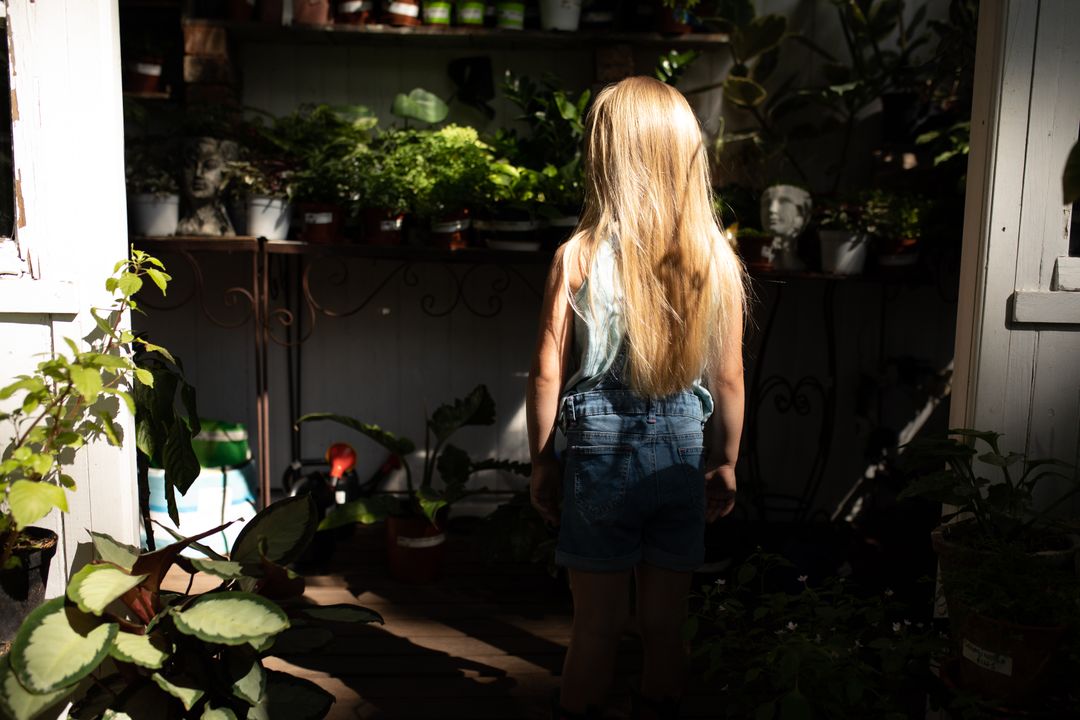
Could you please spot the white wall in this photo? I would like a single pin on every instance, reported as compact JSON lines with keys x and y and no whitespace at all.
{"x":1018,"y":366}
{"x":68,"y":132}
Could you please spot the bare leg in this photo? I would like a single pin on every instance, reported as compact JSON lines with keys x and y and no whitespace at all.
{"x":601,"y":609}
{"x":661,"y":611}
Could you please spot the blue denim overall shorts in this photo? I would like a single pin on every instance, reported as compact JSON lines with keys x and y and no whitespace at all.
{"x":633,"y":480}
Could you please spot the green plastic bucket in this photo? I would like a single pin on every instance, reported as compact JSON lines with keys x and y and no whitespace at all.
{"x":221,"y":444}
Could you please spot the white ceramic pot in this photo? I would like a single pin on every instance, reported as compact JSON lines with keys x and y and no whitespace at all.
{"x":154,"y":215}
{"x":268,"y":217}
{"x":842,"y":252}
{"x":560,"y":14}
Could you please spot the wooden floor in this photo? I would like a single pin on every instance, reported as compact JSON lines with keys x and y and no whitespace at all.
{"x":486,"y":641}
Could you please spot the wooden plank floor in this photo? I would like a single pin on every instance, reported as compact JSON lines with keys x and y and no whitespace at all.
{"x":486,"y":641}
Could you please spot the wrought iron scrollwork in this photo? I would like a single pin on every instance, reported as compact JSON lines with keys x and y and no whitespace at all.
{"x":234,"y":296}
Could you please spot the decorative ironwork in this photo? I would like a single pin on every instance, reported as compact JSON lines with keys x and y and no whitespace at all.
{"x":235,"y":296}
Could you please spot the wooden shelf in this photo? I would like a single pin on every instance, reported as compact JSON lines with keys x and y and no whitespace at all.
{"x":240,"y":243}
{"x":147,"y":95}
{"x":455,"y":36}
{"x":417,"y":253}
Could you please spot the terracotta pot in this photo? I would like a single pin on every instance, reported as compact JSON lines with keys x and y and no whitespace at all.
{"x":241,"y":10}
{"x":757,"y":251}
{"x":354,"y":12}
{"x":311,"y":12}
{"x":451,"y":232}
{"x":22,"y":588}
{"x":144,"y":75}
{"x":414,"y":549}
{"x":271,"y":11}
{"x":405,"y":13}
{"x":382,"y":227}
{"x":320,"y":223}
{"x":671,"y":21}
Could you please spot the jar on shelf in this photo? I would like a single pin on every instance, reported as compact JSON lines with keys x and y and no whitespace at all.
{"x":437,"y":12}
{"x":403,"y":13}
{"x":510,"y":15}
{"x":354,"y":12}
{"x":470,"y":12}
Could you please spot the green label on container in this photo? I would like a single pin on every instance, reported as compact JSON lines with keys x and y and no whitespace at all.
{"x":471,"y":13}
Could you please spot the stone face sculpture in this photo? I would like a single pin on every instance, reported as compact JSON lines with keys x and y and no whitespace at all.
{"x":202,"y":211}
{"x":785,"y":212}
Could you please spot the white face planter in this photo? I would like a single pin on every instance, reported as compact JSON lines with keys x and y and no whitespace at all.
{"x":203,"y":212}
{"x":785,"y":212}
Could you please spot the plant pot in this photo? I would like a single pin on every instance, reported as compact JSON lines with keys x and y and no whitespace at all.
{"x":22,"y":588}
{"x":842,"y":252}
{"x":382,"y":227}
{"x":437,"y":13}
{"x":154,"y":215}
{"x":559,"y":230}
{"x":509,"y":234}
{"x":320,"y":223}
{"x":757,"y":251}
{"x":354,"y":12}
{"x":470,"y":13}
{"x":451,"y":232}
{"x":144,"y":75}
{"x":897,"y":252}
{"x":414,"y":549}
{"x":599,"y":15}
{"x":403,"y":13}
{"x":671,"y":20}
{"x":311,"y":12}
{"x":271,"y":11}
{"x":510,"y":15}
{"x":560,"y":14}
{"x":241,"y":10}
{"x":268,"y":217}
{"x":216,"y":496}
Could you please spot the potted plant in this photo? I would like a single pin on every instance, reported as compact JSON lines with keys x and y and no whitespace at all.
{"x":267,"y":195}
{"x":354,"y":12}
{"x":384,"y":195}
{"x":53,"y":412}
{"x":673,"y":16}
{"x":453,"y":164}
{"x":119,"y":643}
{"x":842,"y":229}
{"x":414,"y":524}
{"x":470,"y":12}
{"x":1008,"y":570}
{"x":563,"y":191}
{"x":510,"y":15}
{"x":900,"y":230}
{"x":756,"y":247}
{"x":787,"y":646}
{"x":402,"y":12}
{"x":437,"y":12}
{"x":153,"y":191}
{"x":510,"y":217}
{"x":560,"y":14}
{"x":311,"y":12}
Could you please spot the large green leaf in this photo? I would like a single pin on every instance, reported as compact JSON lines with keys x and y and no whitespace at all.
{"x":204,"y":549}
{"x":758,"y":36}
{"x":148,"y":651}
{"x":232,"y":618}
{"x":476,"y":408}
{"x":30,"y":501}
{"x":362,"y":510}
{"x":743,"y":92}
{"x":300,"y":640}
{"x":17,"y":702}
{"x":247,"y":675}
{"x":343,"y":613}
{"x":186,"y":690}
{"x":454,"y":465}
{"x":397,"y":445}
{"x":112,"y":551}
{"x":224,"y":569}
{"x":210,"y":713}
{"x":87,"y":382}
{"x":293,"y":698}
{"x":420,"y":105}
{"x":57,"y":646}
{"x":286,"y":526}
{"x":179,"y":460}
{"x":1070,"y":179}
{"x":97,"y":585}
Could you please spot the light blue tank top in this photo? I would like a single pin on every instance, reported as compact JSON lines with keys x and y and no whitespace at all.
{"x":599,"y":328}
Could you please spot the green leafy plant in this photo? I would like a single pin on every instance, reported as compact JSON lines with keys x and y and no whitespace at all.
{"x":119,"y":643}
{"x":672,"y":65}
{"x":149,"y":168}
{"x":823,"y":650}
{"x":1002,"y":512}
{"x":515,"y":532}
{"x":421,"y":105}
{"x":262,"y":178}
{"x":70,"y":400}
{"x":454,"y":466}
{"x":513,"y":190}
{"x":840,"y":214}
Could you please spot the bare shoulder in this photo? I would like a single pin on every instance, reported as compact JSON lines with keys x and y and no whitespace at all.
{"x":567,"y":263}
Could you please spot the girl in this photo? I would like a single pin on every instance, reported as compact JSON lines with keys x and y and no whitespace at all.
{"x":642,"y":305}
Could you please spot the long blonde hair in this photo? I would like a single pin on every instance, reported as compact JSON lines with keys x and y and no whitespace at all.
{"x":647,"y":189}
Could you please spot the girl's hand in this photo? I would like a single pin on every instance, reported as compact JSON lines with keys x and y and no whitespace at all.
{"x":545,"y":489}
{"x":719,"y":492}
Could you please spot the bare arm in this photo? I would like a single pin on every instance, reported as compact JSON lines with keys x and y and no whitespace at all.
{"x":546,"y":379}
{"x":726,"y":385}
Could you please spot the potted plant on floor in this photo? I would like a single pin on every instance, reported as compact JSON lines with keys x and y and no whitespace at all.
{"x":120,"y":643}
{"x":414,"y":528}
{"x":1008,"y":569}
{"x":68,"y":401}
{"x":153,"y":191}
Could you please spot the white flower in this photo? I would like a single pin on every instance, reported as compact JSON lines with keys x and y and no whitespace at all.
{"x":896,"y":627}
{"x":720,"y":582}
{"x":889,"y":592}
{"x":791,"y":625}
{"x":802,"y":578}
